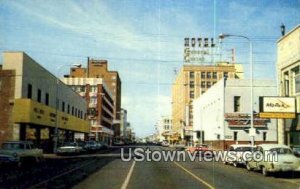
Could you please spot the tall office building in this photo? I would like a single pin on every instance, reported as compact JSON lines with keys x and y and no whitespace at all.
{"x":191,"y":82}
{"x":99,"y":69}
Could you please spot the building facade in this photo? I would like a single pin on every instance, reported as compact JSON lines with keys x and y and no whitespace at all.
{"x":191,"y":82}
{"x":222,"y":114}
{"x":99,"y":69}
{"x":100,"y":106}
{"x":34,"y":103}
{"x":164,"y":129}
{"x":288,"y":74}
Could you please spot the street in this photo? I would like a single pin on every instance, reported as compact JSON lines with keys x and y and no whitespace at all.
{"x":107,"y":170}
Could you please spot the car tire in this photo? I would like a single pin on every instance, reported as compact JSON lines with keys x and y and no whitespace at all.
{"x":248,"y":167}
{"x":264,"y":171}
{"x":225,"y":162}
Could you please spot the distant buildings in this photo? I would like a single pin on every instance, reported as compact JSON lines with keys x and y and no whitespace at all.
{"x":34,"y":102}
{"x":191,"y":82}
{"x":222,"y":114}
{"x":288,"y":74}
{"x":106,"y":91}
{"x":164,"y":129}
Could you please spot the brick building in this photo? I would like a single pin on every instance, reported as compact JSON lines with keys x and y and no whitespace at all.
{"x":99,"y":69}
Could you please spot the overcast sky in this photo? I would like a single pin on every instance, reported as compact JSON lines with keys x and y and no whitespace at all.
{"x":143,"y":40}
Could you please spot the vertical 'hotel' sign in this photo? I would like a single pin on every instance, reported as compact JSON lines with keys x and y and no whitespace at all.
{"x":198,"y":50}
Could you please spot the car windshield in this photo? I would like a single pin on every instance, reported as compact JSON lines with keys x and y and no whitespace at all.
{"x":244,"y":149}
{"x":70,"y":144}
{"x":12,"y":146}
{"x":281,"y":150}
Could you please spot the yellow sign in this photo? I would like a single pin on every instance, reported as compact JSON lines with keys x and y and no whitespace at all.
{"x":277,"y":115}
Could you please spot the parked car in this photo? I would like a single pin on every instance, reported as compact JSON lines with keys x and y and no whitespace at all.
{"x":204,"y":151}
{"x":103,"y":145}
{"x":296,"y":151}
{"x":237,"y":150}
{"x":285,"y":159}
{"x":19,"y":152}
{"x":165,"y":143}
{"x":70,"y":148}
{"x":92,"y":146}
{"x":196,"y":147}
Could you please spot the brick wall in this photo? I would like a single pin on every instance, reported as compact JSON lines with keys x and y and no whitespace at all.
{"x":7,"y":89}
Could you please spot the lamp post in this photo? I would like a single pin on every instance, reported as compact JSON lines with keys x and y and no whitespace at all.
{"x":57,"y":105}
{"x":252,"y":129}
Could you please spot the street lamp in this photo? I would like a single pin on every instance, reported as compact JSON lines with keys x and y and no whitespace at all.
{"x":252,"y":129}
{"x":57,"y":105}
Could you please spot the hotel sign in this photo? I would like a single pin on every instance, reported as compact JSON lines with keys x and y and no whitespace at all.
{"x":277,"y":107}
{"x":198,"y":50}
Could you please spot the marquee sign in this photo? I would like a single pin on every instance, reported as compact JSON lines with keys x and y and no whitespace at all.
{"x":198,"y":50}
{"x":244,"y":120}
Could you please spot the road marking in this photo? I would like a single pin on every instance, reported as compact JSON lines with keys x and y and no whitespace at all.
{"x":193,"y":175}
{"x":126,"y":182}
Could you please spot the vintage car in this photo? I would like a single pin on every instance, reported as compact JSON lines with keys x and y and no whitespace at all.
{"x":237,"y":152}
{"x":20,"y":152}
{"x":275,"y":158}
{"x":70,"y":148}
{"x":196,"y":147}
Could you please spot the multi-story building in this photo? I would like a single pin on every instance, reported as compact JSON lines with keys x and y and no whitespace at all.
{"x":288,"y":74}
{"x":191,"y":82}
{"x":100,"y":106}
{"x":222,"y":114}
{"x":164,"y":129}
{"x":99,"y":69}
{"x":35,"y":104}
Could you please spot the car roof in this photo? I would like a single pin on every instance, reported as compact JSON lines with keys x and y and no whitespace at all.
{"x":270,"y":146}
{"x":241,"y":145}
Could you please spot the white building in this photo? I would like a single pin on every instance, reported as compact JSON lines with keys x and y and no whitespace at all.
{"x":222,"y":115}
{"x":164,"y":128}
{"x":288,"y":75}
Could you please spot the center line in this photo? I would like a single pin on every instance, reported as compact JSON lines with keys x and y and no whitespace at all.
{"x":125,"y":183}
{"x":193,"y":175}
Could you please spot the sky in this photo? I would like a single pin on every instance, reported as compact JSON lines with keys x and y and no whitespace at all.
{"x":143,"y":40}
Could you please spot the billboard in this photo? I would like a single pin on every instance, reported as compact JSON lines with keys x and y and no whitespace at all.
{"x":277,"y":107}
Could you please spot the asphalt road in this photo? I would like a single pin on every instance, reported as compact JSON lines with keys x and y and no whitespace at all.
{"x":110,"y":172}
{"x":137,"y":175}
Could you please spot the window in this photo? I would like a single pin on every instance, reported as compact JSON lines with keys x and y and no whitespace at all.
{"x":202,"y":75}
{"x":29,"y":91}
{"x":235,"y":134}
{"x":93,"y":89}
{"x":68,"y":110}
{"x":236,"y":103}
{"x":208,"y":84}
{"x":208,"y":75}
{"x":286,"y":84}
{"x":215,"y":75}
{"x":218,"y":137}
{"x":192,"y":94}
{"x":75,"y":112}
{"x":192,"y":75}
{"x":202,"y":84}
{"x":192,"y":84}
{"x":72,"y":110}
{"x":63,"y":106}
{"x":39,"y":95}
{"x":47,"y":99}
{"x":297,"y":84}
{"x":264,"y":136}
{"x":82,"y":88}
